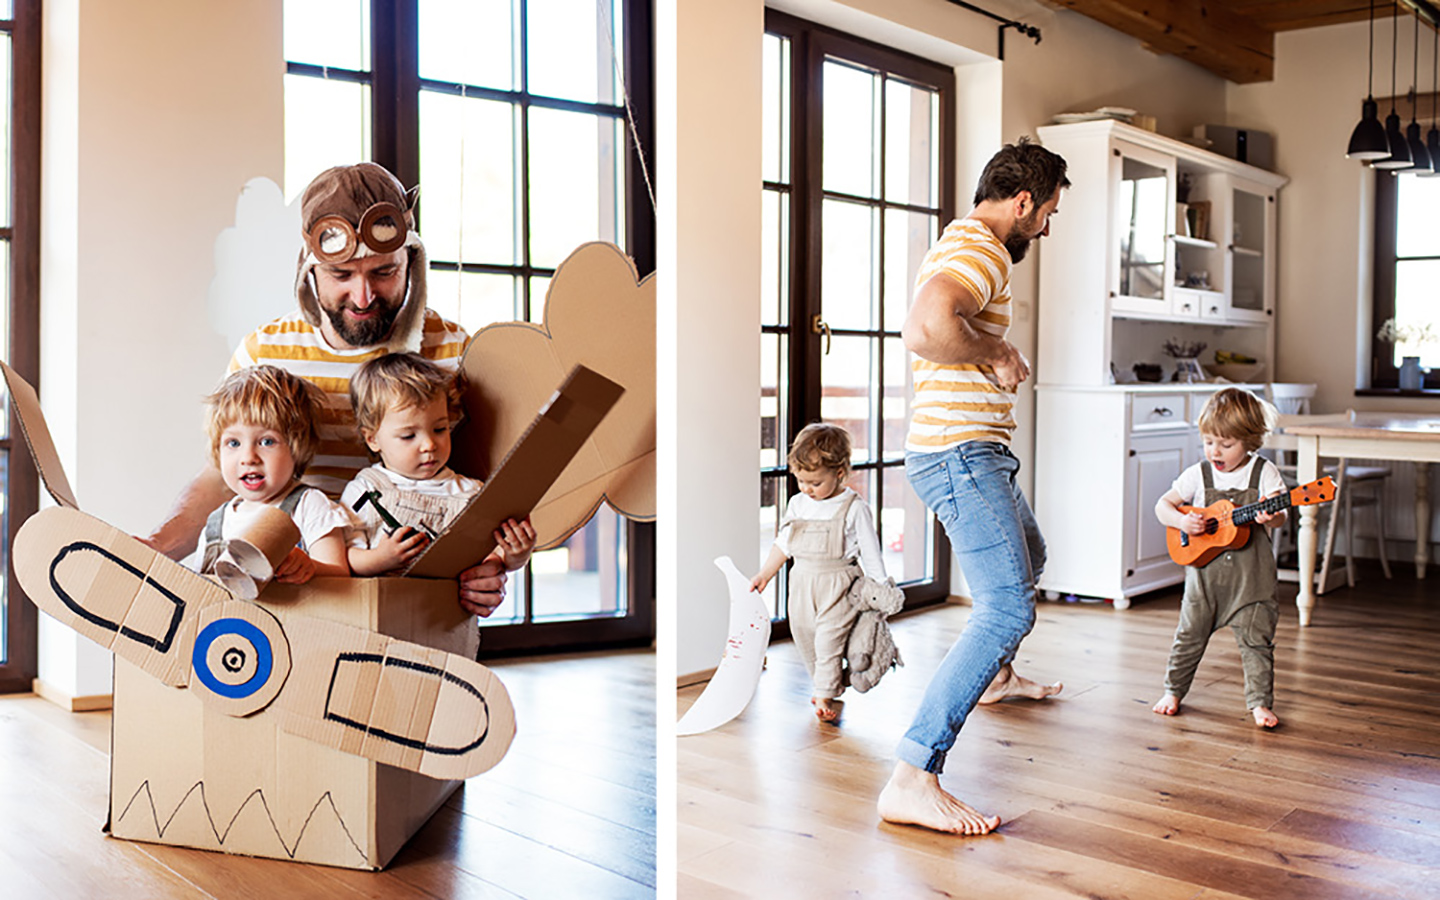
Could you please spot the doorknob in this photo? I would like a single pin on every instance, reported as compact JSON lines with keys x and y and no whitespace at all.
{"x":819,"y":326}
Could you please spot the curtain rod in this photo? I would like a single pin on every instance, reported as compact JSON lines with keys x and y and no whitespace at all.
{"x":1029,"y":31}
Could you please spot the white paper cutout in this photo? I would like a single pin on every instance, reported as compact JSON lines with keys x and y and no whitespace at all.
{"x":734,"y":682}
{"x":255,"y":262}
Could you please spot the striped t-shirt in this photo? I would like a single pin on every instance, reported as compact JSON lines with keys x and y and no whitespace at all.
{"x":955,"y":404}
{"x":295,"y":345}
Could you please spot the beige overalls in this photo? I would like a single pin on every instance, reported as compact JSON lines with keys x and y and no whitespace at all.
{"x":410,"y":508}
{"x":821,"y":614}
{"x":1236,"y":588}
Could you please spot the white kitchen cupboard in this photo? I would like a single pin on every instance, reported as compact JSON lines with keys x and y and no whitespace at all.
{"x":1122,"y":272}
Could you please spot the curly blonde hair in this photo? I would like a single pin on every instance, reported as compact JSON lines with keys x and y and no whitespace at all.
{"x":269,"y":397}
{"x":399,"y":381}
{"x":821,"y":445}
{"x":1237,"y":415}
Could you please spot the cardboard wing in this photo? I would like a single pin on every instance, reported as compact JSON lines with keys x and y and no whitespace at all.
{"x":37,"y":438}
{"x":554,"y":437}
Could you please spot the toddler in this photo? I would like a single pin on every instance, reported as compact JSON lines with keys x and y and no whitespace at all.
{"x":1236,"y":588}
{"x":824,"y":530}
{"x":405,"y":407}
{"x":262,"y":436}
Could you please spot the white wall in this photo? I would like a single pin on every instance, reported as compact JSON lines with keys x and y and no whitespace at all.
{"x":1079,"y":65}
{"x":156,"y":112}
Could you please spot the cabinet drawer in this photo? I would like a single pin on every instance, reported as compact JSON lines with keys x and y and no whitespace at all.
{"x":1157,"y":411}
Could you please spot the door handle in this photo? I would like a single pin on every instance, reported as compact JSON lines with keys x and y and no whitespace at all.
{"x":819,"y":326}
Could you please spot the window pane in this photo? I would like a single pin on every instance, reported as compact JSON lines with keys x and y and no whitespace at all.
{"x":576,"y":182}
{"x":852,"y":126}
{"x":539,"y":284}
{"x":912,"y":153}
{"x":772,"y":506}
{"x":907,"y":236}
{"x":470,"y":42}
{"x":5,"y":104}
{"x":328,"y":33}
{"x":5,"y":553}
{"x":472,"y":299}
{"x":1415,"y":306}
{"x":573,"y":48}
{"x":1416,"y":230}
{"x":327,"y":123}
{"x":774,"y":411}
{"x":7,"y":9}
{"x":467,"y":180}
{"x":895,"y":405}
{"x":905,"y":528}
{"x":849,"y":271}
{"x":585,"y":576}
{"x":511,"y":610}
{"x":846,"y":374}
{"x":776,"y":91}
{"x":775,"y":258}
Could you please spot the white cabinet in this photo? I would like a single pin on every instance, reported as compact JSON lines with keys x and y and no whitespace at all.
{"x":1152,"y":464}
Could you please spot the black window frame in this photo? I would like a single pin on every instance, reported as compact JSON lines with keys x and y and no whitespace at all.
{"x":1384,"y":375}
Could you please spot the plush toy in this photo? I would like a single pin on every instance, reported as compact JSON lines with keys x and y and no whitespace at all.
{"x":870,"y":650}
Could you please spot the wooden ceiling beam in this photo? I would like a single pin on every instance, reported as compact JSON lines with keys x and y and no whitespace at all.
{"x":1205,"y":33}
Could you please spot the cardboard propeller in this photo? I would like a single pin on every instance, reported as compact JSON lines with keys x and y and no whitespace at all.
{"x":355,"y":690}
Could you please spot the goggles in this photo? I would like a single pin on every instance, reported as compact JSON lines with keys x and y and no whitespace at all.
{"x":383,"y":228}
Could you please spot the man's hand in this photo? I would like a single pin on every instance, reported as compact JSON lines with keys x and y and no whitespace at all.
{"x":482,"y":587}
{"x":1011,"y":368}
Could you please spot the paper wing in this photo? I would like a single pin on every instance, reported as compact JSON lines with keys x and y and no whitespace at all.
{"x":734,"y":682}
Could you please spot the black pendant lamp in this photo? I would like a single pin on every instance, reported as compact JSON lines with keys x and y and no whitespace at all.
{"x":1432,"y":140}
{"x":1419,"y":156}
{"x":1367,"y":141}
{"x":1399,"y":157}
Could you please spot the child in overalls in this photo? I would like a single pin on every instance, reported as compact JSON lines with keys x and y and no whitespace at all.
{"x":405,"y":407}
{"x":825,"y":531}
{"x":1236,"y":588}
{"x":262,"y":436}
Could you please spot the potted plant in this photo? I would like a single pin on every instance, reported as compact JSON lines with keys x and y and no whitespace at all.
{"x":1408,"y":337}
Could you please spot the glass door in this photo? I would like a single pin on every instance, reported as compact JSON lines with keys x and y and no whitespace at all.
{"x":1251,"y":210}
{"x":1142,"y":266}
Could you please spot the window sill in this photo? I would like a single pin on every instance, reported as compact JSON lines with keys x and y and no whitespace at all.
{"x":1396,"y":392}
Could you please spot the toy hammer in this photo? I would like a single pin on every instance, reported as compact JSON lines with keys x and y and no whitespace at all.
{"x":392,"y":524}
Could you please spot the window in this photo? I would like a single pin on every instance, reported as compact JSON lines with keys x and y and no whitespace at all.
{"x":1407,"y":268}
{"x":19,"y":310}
{"x":519,"y":119}
{"x":858,"y":181}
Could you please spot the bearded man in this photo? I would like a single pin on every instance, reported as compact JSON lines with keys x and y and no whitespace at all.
{"x":958,"y":459}
{"x":360,"y":287}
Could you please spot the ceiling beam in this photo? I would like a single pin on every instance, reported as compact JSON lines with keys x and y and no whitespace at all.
{"x":1205,"y":33}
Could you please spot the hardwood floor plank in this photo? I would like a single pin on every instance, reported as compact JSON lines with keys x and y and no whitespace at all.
{"x":1365,"y":837}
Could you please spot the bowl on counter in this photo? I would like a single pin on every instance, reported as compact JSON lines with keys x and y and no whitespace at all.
{"x":1239,"y":373}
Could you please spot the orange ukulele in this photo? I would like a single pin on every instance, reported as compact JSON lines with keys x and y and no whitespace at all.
{"x":1227,"y":526}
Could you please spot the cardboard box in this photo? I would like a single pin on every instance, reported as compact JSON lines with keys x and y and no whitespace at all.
{"x":185,"y":774}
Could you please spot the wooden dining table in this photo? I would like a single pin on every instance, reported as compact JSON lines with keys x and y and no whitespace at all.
{"x":1362,"y":435}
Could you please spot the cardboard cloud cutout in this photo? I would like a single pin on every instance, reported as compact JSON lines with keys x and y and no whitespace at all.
{"x":600,"y":314}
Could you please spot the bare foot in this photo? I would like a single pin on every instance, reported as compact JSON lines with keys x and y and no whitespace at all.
{"x":1167,"y":705}
{"x":1264,"y":717}
{"x":825,"y":710}
{"x":1007,"y":684}
{"x":914,"y":797}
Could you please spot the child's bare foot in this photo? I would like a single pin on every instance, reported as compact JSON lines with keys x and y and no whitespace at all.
{"x":1167,"y":705}
{"x":1264,"y":717}
{"x":826,"y":710}
{"x":1007,"y":684}
{"x":914,"y":797}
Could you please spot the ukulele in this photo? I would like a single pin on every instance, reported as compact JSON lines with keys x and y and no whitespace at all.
{"x":1227,"y":526}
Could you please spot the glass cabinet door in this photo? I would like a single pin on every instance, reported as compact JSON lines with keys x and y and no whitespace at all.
{"x":1141,"y":261}
{"x":1250,"y":225}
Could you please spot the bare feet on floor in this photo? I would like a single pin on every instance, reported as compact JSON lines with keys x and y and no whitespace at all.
{"x":1264,"y":717}
{"x":1167,"y":705}
{"x":1007,"y":684}
{"x":914,"y":797}
{"x":826,"y":710}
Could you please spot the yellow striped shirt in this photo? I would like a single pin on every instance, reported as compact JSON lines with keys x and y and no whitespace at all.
{"x":955,"y":404}
{"x":295,"y":345}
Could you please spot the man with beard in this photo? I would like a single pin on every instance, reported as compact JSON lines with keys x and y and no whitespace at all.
{"x":958,"y":460}
{"x":360,"y":283}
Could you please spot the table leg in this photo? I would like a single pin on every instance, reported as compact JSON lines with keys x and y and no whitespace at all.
{"x":1307,"y":465}
{"x":1422,"y":517}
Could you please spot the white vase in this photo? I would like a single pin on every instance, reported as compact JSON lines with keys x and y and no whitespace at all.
{"x":1412,"y":378}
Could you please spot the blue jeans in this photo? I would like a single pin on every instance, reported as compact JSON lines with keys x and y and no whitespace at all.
{"x":971,"y":489}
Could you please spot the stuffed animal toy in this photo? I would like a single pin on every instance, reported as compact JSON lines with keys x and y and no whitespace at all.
{"x":870,"y":649}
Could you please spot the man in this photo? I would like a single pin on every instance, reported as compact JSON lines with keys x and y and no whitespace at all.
{"x":958,"y":460}
{"x":360,"y":284}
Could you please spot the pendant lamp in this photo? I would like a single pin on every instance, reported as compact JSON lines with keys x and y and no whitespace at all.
{"x":1419,"y":156}
{"x":1432,"y":140}
{"x":1367,"y":141}
{"x":1399,"y":157}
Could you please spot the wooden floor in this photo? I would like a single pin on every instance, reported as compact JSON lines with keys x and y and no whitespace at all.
{"x":1100,"y":797}
{"x":570,"y":812}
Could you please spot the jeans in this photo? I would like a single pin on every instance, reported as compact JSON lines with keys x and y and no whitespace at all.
{"x":972,"y":491}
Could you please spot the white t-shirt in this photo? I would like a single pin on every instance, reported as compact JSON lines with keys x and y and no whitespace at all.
{"x":316,"y":515}
{"x":446,"y":483}
{"x":860,"y":538}
{"x":1191,"y":481}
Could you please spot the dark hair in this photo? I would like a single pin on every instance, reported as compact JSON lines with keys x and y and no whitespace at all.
{"x":1022,"y":166}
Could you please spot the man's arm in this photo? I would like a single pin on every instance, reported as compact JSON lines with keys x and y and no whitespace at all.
{"x":938,"y":328}
{"x":177,"y":535}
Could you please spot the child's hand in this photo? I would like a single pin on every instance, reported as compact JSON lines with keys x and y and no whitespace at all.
{"x":399,"y":546}
{"x":1193,"y":523}
{"x":515,"y":541}
{"x":296,"y":568}
{"x":759,"y":582}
